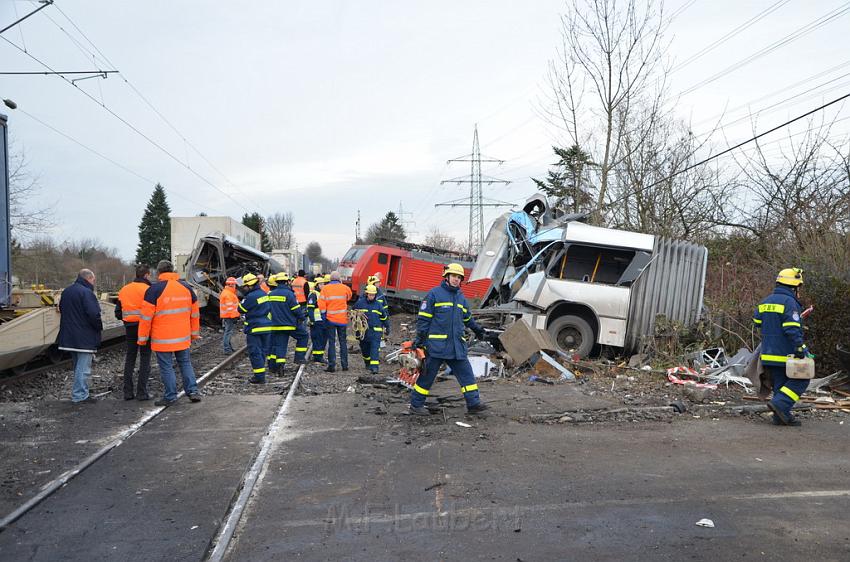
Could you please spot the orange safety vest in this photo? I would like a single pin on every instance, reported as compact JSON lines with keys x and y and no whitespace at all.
{"x":131,"y":297}
{"x":170,"y":315}
{"x":298,"y":288}
{"x":228,"y":303}
{"x":266,"y":289}
{"x":333,"y":302}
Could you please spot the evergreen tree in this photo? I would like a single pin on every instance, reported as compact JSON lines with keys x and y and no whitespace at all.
{"x":567,"y":182}
{"x":257,"y":223}
{"x":389,"y":228}
{"x":155,"y":230}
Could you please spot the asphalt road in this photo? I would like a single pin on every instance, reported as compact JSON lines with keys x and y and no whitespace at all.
{"x":346,"y":484}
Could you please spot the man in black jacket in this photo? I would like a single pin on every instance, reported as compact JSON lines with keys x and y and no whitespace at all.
{"x":80,"y":327}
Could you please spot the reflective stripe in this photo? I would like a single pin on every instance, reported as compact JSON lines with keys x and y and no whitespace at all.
{"x":282,"y":328}
{"x":261,"y":329}
{"x":260,"y":370}
{"x":334,"y":298}
{"x":463,"y":308}
{"x":777,"y":358}
{"x":195,"y":315}
{"x":172,"y":311}
{"x":195,"y":333}
{"x":420,"y":390}
{"x":146,"y":318}
{"x":294,"y":307}
{"x":378,"y":329}
{"x":172,"y":340}
{"x":271,"y":356}
{"x":778,"y":308}
{"x":756,"y":321}
{"x":277,"y":298}
{"x":469,"y":388}
{"x":261,"y":300}
{"x":143,"y":339}
{"x":131,"y":312}
{"x":300,"y":349}
{"x":242,"y":308}
{"x":374,"y":362}
{"x":426,"y":315}
{"x":281,"y":360}
{"x":467,"y":319}
{"x":318,"y":353}
{"x":790,"y":393}
{"x":436,"y":304}
{"x":788,"y":324}
{"x":437,"y":336}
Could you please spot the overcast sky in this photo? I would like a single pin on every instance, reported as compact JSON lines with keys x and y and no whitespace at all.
{"x":323,"y":108}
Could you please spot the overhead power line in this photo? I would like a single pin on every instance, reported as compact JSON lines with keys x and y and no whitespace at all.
{"x":131,"y":126}
{"x":45,"y":73}
{"x":45,"y":3}
{"x":797,"y":34}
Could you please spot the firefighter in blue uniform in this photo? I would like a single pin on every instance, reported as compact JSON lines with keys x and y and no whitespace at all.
{"x":255,"y":309}
{"x":779,"y":317}
{"x":443,"y":317}
{"x":381,"y":297}
{"x":378,"y":326}
{"x":287,"y":319}
{"x":314,"y":319}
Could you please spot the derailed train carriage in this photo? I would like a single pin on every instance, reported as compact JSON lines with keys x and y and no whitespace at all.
{"x":588,"y":286}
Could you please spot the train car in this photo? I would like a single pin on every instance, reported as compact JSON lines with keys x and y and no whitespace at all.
{"x":409,"y":271}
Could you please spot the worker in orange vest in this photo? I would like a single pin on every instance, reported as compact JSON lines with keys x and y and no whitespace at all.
{"x":170,"y":320}
{"x":261,"y":281}
{"x":129,"y":310}
{"x":298,"y":287}
{"x":333,"y":306}
{"x":228,"y":311}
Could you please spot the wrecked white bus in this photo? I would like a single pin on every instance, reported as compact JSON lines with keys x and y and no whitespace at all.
{"x":587,"y":286}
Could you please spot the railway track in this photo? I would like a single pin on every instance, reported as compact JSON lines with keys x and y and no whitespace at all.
{"x":14,"y":376}
{"x":67,"y":476}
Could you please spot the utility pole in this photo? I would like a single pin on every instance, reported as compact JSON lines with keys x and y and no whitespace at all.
{"x":476,"y":201}
{"x":405,"y":222}
{"x":357,"y":228}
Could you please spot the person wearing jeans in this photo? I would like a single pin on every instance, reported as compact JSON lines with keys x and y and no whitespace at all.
{"x":80,"y":327}
{"x":169,"y":378}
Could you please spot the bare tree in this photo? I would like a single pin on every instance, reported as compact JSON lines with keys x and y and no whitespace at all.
{"x":279,"y":230}
{"x":610,"y":58}
{"x":442,"y":241}
{"x":28,"y":217}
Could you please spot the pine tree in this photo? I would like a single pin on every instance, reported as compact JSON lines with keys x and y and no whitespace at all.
{"x":567,"y":182}
{"x":155,"y":230}
{"x":389,"y":228}
{"x":257,"y":223}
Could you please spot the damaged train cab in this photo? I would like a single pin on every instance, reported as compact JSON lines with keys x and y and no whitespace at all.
{"x":217,"y":257}
{"x":587,"y":285}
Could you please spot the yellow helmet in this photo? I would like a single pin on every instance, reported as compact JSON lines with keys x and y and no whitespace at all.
{"x":272,"y":280}
{"x":792,"y":276}
{"x":325,"y":279}
{"x":371,"y":279}
{"x":455,"y":268}
{"x":371,"y":290}
{"x":249,"y":279}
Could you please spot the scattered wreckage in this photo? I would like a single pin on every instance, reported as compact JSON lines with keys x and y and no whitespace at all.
{"x":586,"y":285}
{"x":217,"y":257}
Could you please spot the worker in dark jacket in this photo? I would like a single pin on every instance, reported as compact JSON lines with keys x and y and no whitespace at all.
{"x":258,"y":325}
{"x":80,"y":327}
{"x":378,"y":326}
{"x":287,"y":320}
{"x":780,"y":320}
{"x":129,"y":310}
{"x":443,"y":317}
{"x":314,"y":319}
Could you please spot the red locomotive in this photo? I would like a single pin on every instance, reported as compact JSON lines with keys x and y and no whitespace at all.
{"x":408,"y":271}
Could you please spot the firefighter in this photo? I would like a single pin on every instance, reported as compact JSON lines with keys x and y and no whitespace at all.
{"x":443,"y":317}
{"x":381,"y":297}
{"x":333,"y":304}
{"x":228,"y":311}
{"x":171,"y":320}
{"x":129,"y":310}
{"x":298,"y":287}
{"x":314,"y":318}
{"x":258,"y":325}
{"x":287,"y":319}
{"x":378,"y":326}
{"x":779,"y":317}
